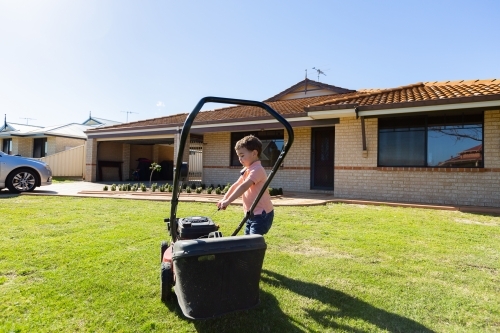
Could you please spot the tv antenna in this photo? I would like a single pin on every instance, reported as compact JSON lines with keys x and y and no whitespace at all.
{"x":128,"y":112}
{"x":320,"y":72}
{"x":27,"y":119}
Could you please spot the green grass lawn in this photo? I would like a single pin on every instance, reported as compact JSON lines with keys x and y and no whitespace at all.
{"x":92,"y":265}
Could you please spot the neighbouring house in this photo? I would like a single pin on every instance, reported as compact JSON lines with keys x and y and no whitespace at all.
{"x":432,"y":142}
{"x":38,"y":142}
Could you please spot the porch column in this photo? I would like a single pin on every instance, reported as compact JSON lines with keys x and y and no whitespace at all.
{"x":185,"y":155}
{"x":156,"y":149}
{"x":126,"y":161}
{"x":91,"y":160}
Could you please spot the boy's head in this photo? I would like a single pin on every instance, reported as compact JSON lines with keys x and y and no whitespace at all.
{"x":250,"y":143}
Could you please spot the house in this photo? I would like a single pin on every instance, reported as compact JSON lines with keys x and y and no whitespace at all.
{"x":379,"y":144}
{"x":38,"y":142}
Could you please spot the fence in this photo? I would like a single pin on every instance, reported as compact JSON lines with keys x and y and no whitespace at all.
{"x":195,"y":162}
{"x":68,"y":163}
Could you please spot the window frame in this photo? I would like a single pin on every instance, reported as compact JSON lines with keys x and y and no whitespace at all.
{"x":7,"y":143}
{"x":429,"y":125}
{"x":277,"y":134}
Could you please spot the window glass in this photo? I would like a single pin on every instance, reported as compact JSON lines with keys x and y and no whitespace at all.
{"x":402,"y":147}
{"x":455,"y":142}
{"x":7,"y":146}
{"x":438,"y":141}
{"x":272,"y":143}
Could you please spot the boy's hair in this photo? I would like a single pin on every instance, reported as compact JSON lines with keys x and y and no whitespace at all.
{"x":250,"y":143}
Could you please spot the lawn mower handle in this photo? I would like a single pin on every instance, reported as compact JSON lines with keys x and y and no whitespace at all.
{"x":180,"y":152}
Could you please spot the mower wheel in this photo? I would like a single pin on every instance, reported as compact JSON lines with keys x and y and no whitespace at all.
{"x":166,"y":281}
{"x":164,"y":247}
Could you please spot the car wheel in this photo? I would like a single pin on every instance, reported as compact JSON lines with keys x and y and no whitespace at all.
{"x":164,"y":247}
{"x":166,"y":281}
{"x":21,"y":180}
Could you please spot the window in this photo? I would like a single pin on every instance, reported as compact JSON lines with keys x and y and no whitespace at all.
{"x":40,"y":148}
{"x":445,"y":140}
{"x":7,"y":146}
{"x":272,"y":143}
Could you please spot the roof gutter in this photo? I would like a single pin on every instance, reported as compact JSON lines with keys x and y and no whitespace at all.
{"x":368,"y":112}
{"x":328,"y":114}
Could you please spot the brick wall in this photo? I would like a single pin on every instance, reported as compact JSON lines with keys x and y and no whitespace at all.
{"x":58,"y":144}
{"x":91,"y":160}
{"x":61,"y":144}
{"x":357,"y":177}
{"x":293,"y":177}
{"x":22,"y":146}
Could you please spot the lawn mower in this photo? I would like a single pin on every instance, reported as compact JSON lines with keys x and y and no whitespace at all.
{"x":210,"y":274}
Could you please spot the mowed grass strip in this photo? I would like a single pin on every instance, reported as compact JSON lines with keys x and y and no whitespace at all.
{"x":92,"y":265}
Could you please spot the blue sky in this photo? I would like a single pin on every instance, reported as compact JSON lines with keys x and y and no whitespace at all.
{"x":59,"y":60}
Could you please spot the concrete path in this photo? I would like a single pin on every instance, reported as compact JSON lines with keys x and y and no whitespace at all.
{"x":88,"y":189}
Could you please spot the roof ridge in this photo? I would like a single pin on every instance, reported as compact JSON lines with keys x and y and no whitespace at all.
{"x":312,"y":82}
{"x":371,"y":93}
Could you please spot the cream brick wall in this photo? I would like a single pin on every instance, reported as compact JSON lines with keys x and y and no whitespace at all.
{"x":22,"y":146}
{"x":359,"y":178}
{"x":293,"y":177}
{"x":91,"y":160}
{"x":492,"y":139}
{"x":58,"y":144}
{"x":349,"y":143}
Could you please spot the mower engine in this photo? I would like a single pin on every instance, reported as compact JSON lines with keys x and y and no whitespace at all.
{"x":194,"y":227}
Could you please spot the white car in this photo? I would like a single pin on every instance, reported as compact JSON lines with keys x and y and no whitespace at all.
{"x":22,"y":174}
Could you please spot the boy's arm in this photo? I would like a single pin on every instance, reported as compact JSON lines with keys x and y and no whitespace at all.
{"x":233,"y":195}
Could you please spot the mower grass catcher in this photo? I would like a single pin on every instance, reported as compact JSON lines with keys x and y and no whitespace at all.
{"x":212,"y":275}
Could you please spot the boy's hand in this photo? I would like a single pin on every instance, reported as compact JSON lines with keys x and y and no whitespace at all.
{"x":222,"y":204}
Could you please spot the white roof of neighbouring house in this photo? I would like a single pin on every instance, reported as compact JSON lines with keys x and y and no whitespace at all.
{"x":71,"y":130}
{"x":18,"y":128}
{"x":99,"y":122}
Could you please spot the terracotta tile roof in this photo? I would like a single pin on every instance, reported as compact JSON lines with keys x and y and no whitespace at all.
{"x":410,"y":95}
{"x":419,"y":92}
{"x":289,"y":108}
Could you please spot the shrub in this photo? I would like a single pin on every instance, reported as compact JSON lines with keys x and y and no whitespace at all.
{"x":143,"y":188}
{"x":113,"y":187}
{"x":188,"y":189}
{"x":209,"y":190}
{"x":193,"y":186}
{"x":105,"y":188}
{"x":218,"y":191}
{"x":203,"y":186}
{"x":199,"y":189}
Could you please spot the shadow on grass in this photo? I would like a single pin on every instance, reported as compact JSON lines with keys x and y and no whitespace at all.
{"x":269,"y":317}
{"x":342,"y":305}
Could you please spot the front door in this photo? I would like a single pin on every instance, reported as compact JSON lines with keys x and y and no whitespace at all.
{"x":322,"y":158}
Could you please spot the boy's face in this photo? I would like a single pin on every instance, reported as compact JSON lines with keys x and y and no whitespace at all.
{"x":246,"y":156}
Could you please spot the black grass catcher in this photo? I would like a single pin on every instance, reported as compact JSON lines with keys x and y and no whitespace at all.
{"x":210,"y":274}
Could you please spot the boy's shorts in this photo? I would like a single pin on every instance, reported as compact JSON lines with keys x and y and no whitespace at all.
{"x":259,"y":224}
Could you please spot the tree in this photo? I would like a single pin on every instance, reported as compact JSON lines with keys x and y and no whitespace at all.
{"x":154,"y":167}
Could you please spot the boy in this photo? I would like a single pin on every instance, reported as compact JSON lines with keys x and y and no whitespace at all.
{"x":249,"y":184}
